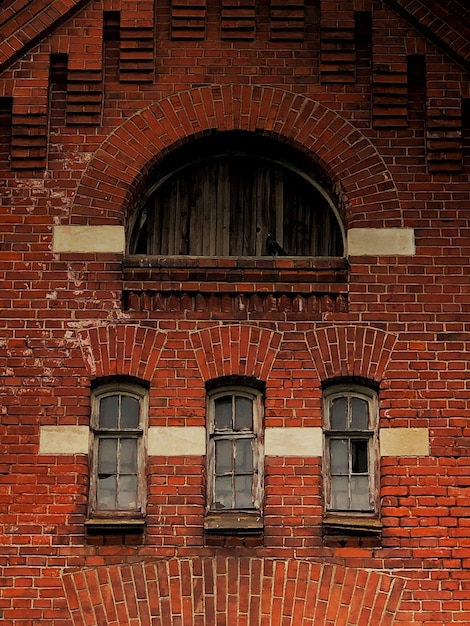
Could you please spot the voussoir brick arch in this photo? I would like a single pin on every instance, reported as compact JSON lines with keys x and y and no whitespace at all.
{"x":231,"y":350}
{"x":229,"y":591}
{"x":122,"y":166}
{"x":121,"y":350}
{"x":350,"y":351}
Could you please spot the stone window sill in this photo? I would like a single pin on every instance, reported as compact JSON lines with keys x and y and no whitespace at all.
{"x":234,"y":522}
{"x":99,"y":525}
{"x":353,"y":525}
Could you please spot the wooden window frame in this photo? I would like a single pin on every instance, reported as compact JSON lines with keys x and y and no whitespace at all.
{"x":355,"y":518}
{"x":233,"y":520}
{"x":112,"y":517}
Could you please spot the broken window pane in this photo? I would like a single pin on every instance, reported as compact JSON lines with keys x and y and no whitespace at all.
{"x":223,"y":492}
{"x":359,"y":454}
{"x":106,"y":497}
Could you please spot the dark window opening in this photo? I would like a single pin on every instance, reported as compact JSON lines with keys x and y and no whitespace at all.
{"x":223,"y":196}
{"x":6,"y":105}
{"x":466,"y":129}
{"x":58,"y":88}
{"x":111,"y":39}
{"x":363,"y":45}
{"x":416,"y":68}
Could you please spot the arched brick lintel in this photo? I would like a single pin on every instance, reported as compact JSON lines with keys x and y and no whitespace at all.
{"x":115,"y":176}
{"x":121,"y":350}
{"x":208,"y":591}
{"x":350,"y":351}
{"x":235,"y":350}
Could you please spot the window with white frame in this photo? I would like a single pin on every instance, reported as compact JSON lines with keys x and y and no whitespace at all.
{"x":119,"y":414}
{"x":235,"y":450}
{"x":350,"y":449}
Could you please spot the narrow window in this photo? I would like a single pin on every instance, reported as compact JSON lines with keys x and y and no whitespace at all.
{"x":118,"y":419}
{"x":350,"y":450}
{"x":234,"y":451}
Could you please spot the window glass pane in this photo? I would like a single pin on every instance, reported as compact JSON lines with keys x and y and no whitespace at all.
{"x":359,"y":456}
{"x":359,"y":414}
{"x":338,"y":416}
{"x":243,"y":492}
{"x":107,"y":456}
{"x":243,"y":413}
{"x":129,"y":412}
{"x":223,"y":492}
{"x":128,"y":456}
{"x":243,"y":456}
{"x":340,"y":493}
{"x":223,"y":456}
{"x":109,"y":411}
{"x":106,"y":497}
{"x":360,"y":494}
{"x":127,"y":492}
{"x":339,"y":456}
{"x":223,"y":413}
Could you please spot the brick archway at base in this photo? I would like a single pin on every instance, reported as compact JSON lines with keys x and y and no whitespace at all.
{"x":252,"y":591}
{"x":119,"y":170}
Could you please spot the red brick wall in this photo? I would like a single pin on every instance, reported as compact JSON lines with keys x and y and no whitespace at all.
{"x":79,"y":152}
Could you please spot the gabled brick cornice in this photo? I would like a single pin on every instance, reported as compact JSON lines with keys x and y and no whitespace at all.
{"x":446,"y":23}
{"x":24,"y":24}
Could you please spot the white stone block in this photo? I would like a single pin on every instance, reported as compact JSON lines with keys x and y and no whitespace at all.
{"x":64,"y":439}
{"x":381,"y":242}
{"x":296,"y":441}
{"x":176,"y":441}
{"x":86,"y":239}
{"x":404,"y":442}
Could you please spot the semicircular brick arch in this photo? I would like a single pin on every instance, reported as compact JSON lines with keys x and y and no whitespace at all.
{"x":356,"y":351}
{"x":235,"y":350}
{"x":232,"y":590}
{"x":123,"y":349}
{"x":121,"y":165}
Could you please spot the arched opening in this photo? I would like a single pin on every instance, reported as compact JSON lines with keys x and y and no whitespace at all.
{"x":224,"y":194}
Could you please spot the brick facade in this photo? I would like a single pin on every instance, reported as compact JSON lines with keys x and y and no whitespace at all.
{"x":369,"y":101}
